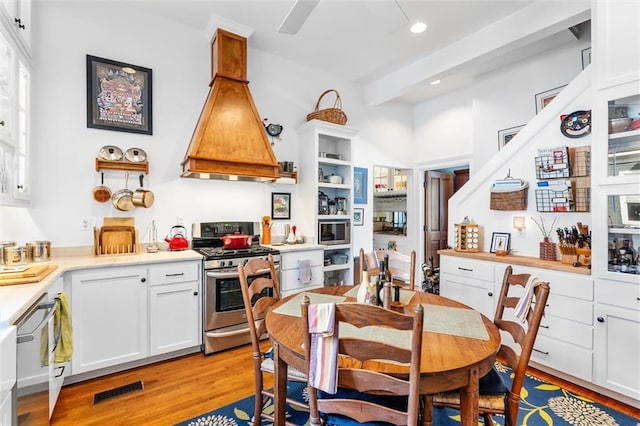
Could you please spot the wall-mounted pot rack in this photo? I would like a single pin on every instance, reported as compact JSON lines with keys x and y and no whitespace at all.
{"x":125,"y":166}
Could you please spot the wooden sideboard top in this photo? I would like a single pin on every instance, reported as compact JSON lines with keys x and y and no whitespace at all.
{"x":519,"y":260}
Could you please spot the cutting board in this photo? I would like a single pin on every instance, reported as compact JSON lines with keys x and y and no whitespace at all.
{"x":116,"y":239}
{"x":118,"y":221}
{"x":33,"y":274}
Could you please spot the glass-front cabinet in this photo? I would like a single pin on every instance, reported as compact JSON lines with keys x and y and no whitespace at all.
{"x":616,"y":160}
{"x":624,"y":136}
{"x":389,"y":179}
{"x":624,"y":233}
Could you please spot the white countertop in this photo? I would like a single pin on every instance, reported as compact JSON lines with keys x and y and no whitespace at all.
{"x":285,"y":248}
{"x":16,"y":299}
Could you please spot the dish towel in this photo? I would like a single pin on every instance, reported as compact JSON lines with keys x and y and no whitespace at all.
{"x":524,"y":304}
{"x":323,"y":363}
{"x":304,"y":271}
{"x":62,"y":328}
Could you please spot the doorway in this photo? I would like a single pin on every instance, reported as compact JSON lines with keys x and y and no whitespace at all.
{"x":439,"y":186}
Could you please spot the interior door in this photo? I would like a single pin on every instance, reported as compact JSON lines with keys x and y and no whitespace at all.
{"x":438,"y":189}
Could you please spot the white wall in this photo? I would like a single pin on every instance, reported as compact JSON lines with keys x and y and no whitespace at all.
{"x":466,"y":122}
{"x":64,"y":149}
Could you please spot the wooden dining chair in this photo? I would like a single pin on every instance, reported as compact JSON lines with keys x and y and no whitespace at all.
{"x":495,"y":397}
{"x":363,"y":394}
{"x":403,"y":266}
{"x":259,"y":295}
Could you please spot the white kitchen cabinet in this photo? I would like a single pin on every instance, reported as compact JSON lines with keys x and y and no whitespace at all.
{"x":15,"y":102}
{"x":469,"y":281}
{"x":110,"y":317}
{"x":616,"y":45}
{"x":7,"y":372}
{"x":174,"y":306}
{"x":15,"y":15}
{"x":5,"y":410}
{"x":290,"y":270}
{"x":565,"y":337}
{"x":328,"y":151}
{"x":617,"y":337}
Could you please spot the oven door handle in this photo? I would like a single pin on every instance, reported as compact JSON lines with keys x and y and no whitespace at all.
{"x":28,"y":337}
{"x":227,"y":333}
{"x":234,"y":274}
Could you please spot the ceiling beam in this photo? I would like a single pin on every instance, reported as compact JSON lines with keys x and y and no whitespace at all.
{"x":512,"y":33}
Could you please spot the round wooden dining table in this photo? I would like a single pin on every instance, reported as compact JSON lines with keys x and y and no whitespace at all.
{"x":449,"y":361}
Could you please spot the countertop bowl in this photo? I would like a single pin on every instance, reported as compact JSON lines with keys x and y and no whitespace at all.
{"x":617,"y":125}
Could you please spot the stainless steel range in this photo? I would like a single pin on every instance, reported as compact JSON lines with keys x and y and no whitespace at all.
{"x":224,"y":319}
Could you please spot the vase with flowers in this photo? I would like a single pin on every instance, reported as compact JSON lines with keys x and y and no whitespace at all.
{"x":547,"y":248}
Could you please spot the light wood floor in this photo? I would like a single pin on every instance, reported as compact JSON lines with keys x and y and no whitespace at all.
{"x":179,"y":389}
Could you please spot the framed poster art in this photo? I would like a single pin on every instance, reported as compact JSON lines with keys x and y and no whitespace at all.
{"x":118,"y":96}
{"x":358,"y":216}
{"x":360,"y":185}
{"x":505,"y":135}
{"x":543,"y":98}
{"x":280,"y":205}
{"x":500,"y":241}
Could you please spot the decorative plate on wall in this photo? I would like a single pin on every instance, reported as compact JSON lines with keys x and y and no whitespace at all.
{"x":576,"y":125}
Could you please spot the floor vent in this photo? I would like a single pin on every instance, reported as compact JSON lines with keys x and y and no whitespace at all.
{"x":120,"y":390}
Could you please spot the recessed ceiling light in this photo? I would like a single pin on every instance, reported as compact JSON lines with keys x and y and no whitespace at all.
{"x":434,"y":82}
{"x":418,"y":27}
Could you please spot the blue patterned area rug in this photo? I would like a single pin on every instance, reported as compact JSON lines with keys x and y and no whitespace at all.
{"x":541,"y":404}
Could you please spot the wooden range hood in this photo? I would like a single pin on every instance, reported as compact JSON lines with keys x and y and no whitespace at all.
{"x":230,"y":141}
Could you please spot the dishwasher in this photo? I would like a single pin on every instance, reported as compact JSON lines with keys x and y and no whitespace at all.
{"x":35,"y":363}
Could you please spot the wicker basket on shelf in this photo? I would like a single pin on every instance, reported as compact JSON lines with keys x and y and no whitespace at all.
{"x":510,"y":200}
{"x":332,"y":115}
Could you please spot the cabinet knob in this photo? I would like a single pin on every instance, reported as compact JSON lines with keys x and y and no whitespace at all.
{"x":20,"y":186}
{"x":19,"y":22}
{"x":2,"y":123}
{"x":490,"y":294}
{"x":195,"y":293}
{"x":143,"y":280}
{"x":600,"y":319}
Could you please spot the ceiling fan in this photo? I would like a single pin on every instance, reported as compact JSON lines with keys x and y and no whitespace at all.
{"x":301,"y":10}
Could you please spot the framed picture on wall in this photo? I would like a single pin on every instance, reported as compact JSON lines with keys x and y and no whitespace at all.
{"x":500,"y":241}
{"x":586,"y":57}
{"x":543,"y":98}
{"x":118,"y":96}
{"x":360,"y":185}
{"x":280,"y":205}
{"x":505,"y":135}
{"x":358,"y":216}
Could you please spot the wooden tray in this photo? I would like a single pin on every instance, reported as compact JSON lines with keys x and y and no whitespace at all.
{"x":33,"y":274}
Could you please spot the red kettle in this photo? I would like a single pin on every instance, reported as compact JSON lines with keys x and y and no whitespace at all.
{"x":177,"y":238}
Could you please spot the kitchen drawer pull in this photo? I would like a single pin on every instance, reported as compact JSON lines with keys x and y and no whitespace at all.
{"x":143,"y":280}
{"x":490,"y":294}
{"x":179,"y":274}
{"x":61,"y":372}
{"x":544,"y":326}
{"x":541,"y":352}
{"x":465,"y":269}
